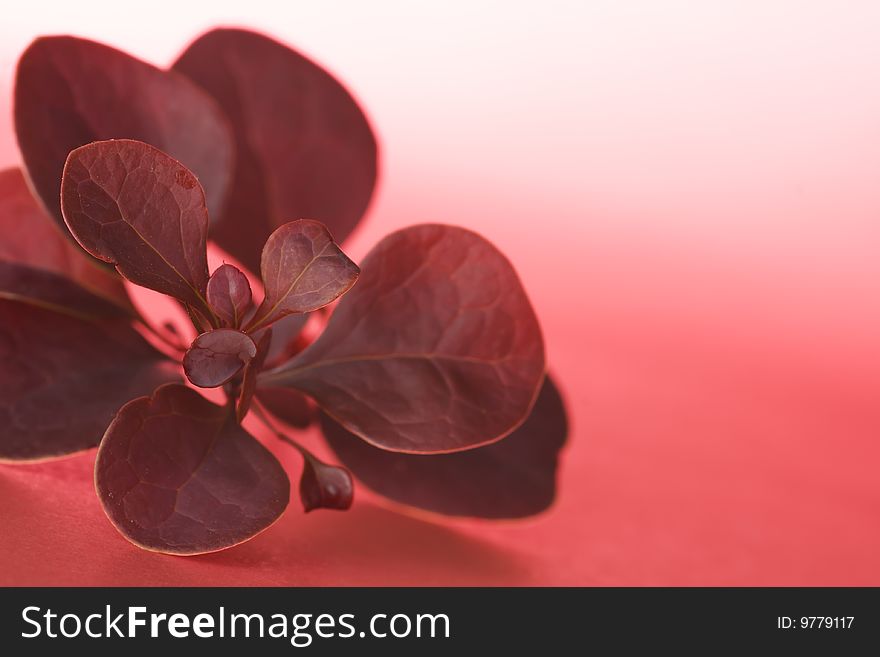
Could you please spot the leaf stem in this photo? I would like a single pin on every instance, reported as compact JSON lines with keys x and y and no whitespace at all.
{"x":211,"y":316}
{"x":258,"y":410}
{"x":177,"y":346}
{"x":195,"y":318}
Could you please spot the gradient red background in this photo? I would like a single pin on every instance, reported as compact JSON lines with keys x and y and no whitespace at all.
{"x":689,"y":192}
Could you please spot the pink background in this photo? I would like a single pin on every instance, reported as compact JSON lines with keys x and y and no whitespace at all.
{"x":689,"y":191}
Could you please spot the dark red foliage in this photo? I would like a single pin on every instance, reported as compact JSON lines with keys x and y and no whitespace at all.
{"x":135,"y":207}
{"x":287,"y":339}
{"x":436,"y":349}
{"x":305,"y":148}
{"x":177,"y":474}
{"x":70,"y":91}
{"x":53,"y":291}
{"x":216,"y":356}
{"x":324,"y":486}
{"x":31,"y":237}
{"x":229,"y":295}
{"x":430,"y":364}
{"x":63,"y":378}
{"x":513,"y":478}
{"x":302,"y":270}
{"x":251,"y":370}
{"x":288,"y":405}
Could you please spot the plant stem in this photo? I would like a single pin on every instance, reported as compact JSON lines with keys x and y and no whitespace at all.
{"x":177,"y":346}
{"x":264,"y":418}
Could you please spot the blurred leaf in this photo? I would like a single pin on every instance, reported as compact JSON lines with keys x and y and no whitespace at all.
{"x":71,"y":91}
{"x":54,"y":292}
{"x":31,"y":237}
{"x":62,"y":379}
{"x":288,"y":405}
{"x":512,"y":478}
{"x":304,"y":147}
{"x":287,"y":338}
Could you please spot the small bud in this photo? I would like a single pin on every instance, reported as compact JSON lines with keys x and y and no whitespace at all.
{"x":325,"y":486}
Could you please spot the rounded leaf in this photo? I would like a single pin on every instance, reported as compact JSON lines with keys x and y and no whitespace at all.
{"x":136,"y":207}
{"x":71,"y":91}
{"x":31,"y":237}
{"x":62,"y":379}
{"x":216,"y":356}
{"x":176,"y":474}
{"x":229,"y":294}
{"x":512,"y":478}
{"x":288,"y":405}
{"x":304,"y":147}
{"x":303,"y":269}
{"x":49,"y":290}
{"x":437,"y":349}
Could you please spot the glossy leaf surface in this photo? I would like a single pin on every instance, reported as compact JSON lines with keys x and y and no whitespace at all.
{"x":62,"y":379}
{"x":512,"y":478}
{"x":217,"y":356}
{"x":229,"y":295}
{"x":71,"y":91}
{"x":31,"y":237}
{"x":304,"y":147}
{"x":303,"y":269}
{"x":176,"y":474}
{"x":323,"y":486}
{"x":133,"y":206}
{"x":436,"y":348}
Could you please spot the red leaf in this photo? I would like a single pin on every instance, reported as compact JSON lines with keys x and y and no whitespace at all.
{"x":288,"y":405}
{"x":437,"y":348}
{"x":32,"y":238}
{"x":70,"y":91}
{"x":251,"y":370}
{"x":302,"y":271}
{"x":176,"y":474}
{"x":229,"y":294}
{"x":48,"y":290}
{"x":512,"y":478}
{"x":217,"y":356}
{"x":62,"y":379}
{"x":304,"y":147}
{"x":324,"y":486}
{"x":132,"y":205}
{"x":287,"y":339}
